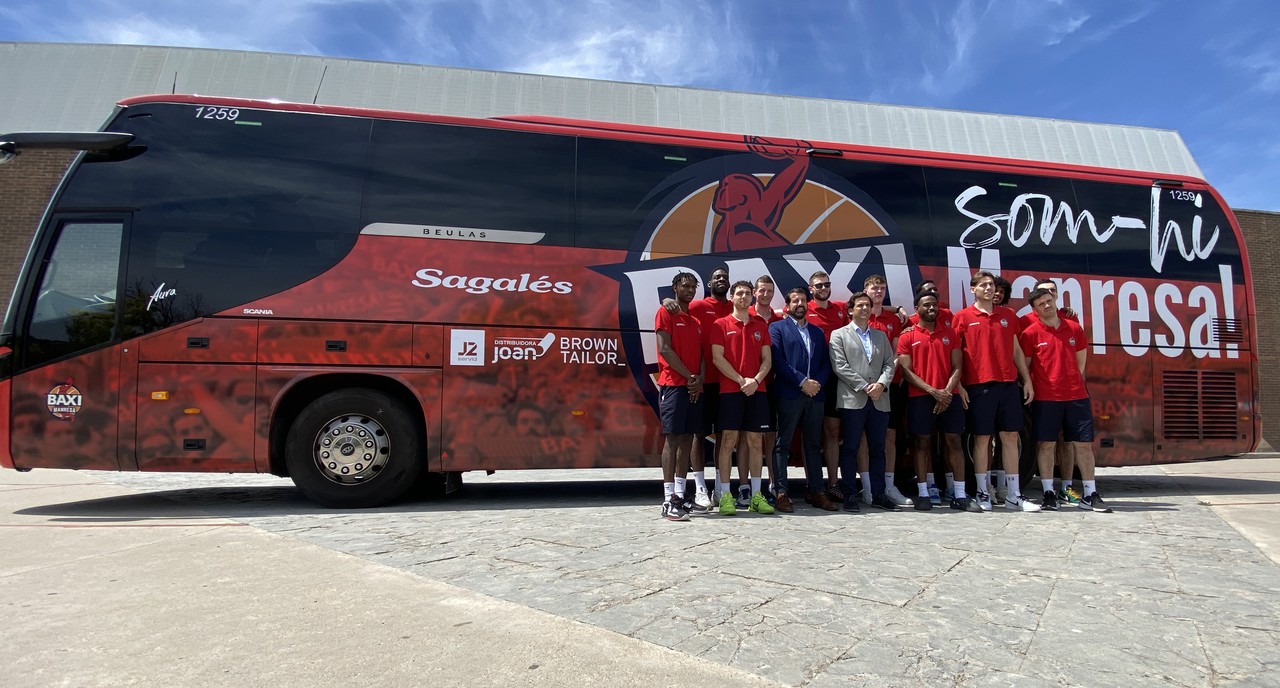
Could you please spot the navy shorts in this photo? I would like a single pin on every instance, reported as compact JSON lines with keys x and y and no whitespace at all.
{"x":921,"y":420}
{"x":831,"y":398}
{"x":1074,"y":419}
{"x":679,"y":415}
{"x":710,"y":408}
{"x":995,"y":407}
{"x":745,"y":413}
{"x":897,"y":405}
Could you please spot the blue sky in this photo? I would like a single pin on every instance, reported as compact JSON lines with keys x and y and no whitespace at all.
{"x":1210,"y":70}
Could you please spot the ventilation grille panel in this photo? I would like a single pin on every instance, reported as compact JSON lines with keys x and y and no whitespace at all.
{"x":1199,"y":405}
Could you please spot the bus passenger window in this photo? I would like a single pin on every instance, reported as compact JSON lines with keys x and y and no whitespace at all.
{"x":75,"y":307}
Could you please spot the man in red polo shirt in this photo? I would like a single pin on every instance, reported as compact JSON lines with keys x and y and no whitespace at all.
{"x":740,"y":349}
{"x":680,"y":376}
{"x":992,"y":365}
{"x":1064,"y":455}
{"x":829,"y":316}
{"x":1056,"y":349}
{"x":929,"y":357}
{"x":761,"y":308}
{"x":945,"y":315}
{"x":708,"y":310}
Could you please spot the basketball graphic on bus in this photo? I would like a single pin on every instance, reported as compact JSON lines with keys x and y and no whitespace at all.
{"x":771,"y":210}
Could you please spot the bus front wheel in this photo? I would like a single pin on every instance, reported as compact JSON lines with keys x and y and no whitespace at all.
{"x":354,"y":448}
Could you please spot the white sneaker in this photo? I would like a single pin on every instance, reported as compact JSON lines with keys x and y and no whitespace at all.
{"x":744,"y":496}
{"x":702,"y":499}
{"x":1018,"y":503}
{"x":984,"y":501}
{"x":896,"y":496}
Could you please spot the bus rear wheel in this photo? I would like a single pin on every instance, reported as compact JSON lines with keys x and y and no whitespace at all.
{"x":354,"y":448}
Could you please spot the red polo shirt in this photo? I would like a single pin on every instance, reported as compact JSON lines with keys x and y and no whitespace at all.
{"x":769,"y":314}
{"x":686,"y":340}
{"x":829,"y":319}
{"x":930,"y":354}
{"x":743,"y":344}
{"x":987,"y":341}
{"x":708,"y":311}
{"x":1051,"y":354}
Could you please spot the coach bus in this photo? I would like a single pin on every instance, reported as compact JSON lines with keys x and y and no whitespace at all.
{"x":360,"y":299}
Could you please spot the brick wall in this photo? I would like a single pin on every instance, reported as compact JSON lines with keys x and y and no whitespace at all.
{"x":26,"y":183}
{"x":1262,"y":240}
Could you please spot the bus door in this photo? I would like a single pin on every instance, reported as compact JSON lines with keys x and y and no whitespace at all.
{"x":66,"y":389}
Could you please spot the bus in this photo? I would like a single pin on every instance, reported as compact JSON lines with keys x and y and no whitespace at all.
{"x":361,"y":300}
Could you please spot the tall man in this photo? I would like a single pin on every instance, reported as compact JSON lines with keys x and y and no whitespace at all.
{"x":1056,"y":348}
{"x":863,"y":362}
{"x":708,"y":310}
{"x":680,"y":378}
{"x":992,"y":365}
{"x":1064,"y":454}
{"x":829,"y":316}
{"x":929,"y":357}
{"x":802,"y":367}
{"x":740,"y":350}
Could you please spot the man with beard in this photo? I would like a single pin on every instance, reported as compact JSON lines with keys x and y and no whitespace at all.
{"x":930,"y":359}
{"x":829,"y":316}
{"x":680,"y":376}
{"x":802,"y":367}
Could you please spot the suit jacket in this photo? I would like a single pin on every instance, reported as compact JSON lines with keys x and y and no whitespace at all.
{"x":792,"y":362}
{"x":855,"y":372}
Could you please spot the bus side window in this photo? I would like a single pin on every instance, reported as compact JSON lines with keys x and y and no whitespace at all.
{"x":75,"y":306}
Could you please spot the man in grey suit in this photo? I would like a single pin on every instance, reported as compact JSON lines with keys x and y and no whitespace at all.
{"x":863,"y":361}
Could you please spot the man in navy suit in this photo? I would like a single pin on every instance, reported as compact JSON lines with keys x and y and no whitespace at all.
{"x":801,"y":365}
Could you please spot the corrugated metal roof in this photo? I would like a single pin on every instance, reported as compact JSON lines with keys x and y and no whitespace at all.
{"x":66,"y":87}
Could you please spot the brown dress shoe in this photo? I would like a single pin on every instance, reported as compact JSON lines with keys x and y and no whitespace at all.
{"x":835,"y":494}
{"x":783,"y":504}
{"x":820,"y":500}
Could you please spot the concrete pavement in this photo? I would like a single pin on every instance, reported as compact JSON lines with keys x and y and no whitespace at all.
{"x":154,"y":579}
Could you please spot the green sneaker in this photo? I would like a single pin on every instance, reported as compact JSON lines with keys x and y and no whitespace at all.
{"x":726,"y":505}
{"x":760,"y":505}
{"x":1069,"y":496}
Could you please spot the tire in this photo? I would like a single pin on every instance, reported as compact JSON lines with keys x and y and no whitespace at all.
{"x":354,"y":448}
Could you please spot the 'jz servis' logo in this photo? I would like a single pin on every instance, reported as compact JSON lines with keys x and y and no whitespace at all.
{"x":428,"y":278}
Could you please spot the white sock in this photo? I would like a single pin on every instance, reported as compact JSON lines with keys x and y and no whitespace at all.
{"x":998,"y":479}
{"x":1090,"y":486}
{"x":888,"y":480}
{"x":755,"y":486}
{"x":700,"y":482}
{"x":1011,"y":483}
{"x":929,"y":479}
{"x":666,"y":491}
{"x":866,"y":482}
{"x":984,"y":483}
{"x":680,"y":486}
{"x":721,"y":487}
{"x":959,"y":491}
{"x":951,"y":483}
{"x":1047,"y":484}
{"x":923,"y":489}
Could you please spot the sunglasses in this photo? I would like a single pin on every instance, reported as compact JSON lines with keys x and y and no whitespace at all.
{"x":821,"y":285}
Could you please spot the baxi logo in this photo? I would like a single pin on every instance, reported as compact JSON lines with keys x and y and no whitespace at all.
{"x":771,"y":211}
{"x":64,"y":400}
{"x":466,"y":347}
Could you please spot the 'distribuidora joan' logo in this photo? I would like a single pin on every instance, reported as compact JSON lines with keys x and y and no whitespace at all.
{"x":774,"y":210}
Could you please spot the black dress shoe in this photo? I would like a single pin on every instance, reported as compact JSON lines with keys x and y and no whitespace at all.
{"x":883,"y":502}
{"x":851,"y":504}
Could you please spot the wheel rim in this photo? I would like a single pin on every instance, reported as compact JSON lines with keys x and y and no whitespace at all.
{"x":351,"y":449}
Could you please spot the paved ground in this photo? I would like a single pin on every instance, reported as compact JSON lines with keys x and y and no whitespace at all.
{"x":542,"y":578}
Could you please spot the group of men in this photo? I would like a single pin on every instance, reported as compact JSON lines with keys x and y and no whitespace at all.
{"x":847,"y":376}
